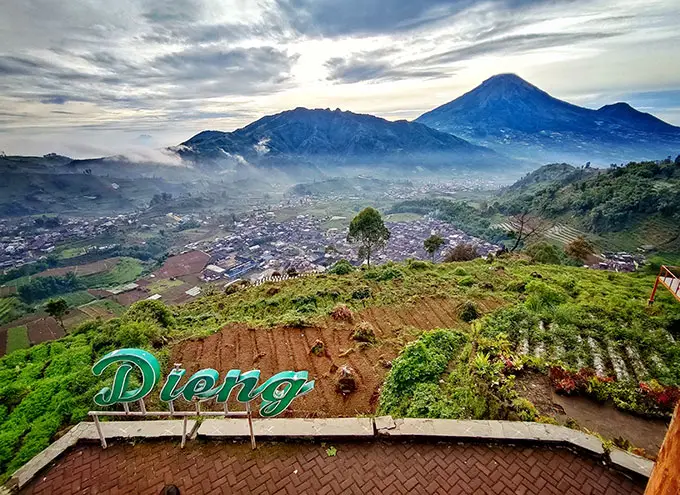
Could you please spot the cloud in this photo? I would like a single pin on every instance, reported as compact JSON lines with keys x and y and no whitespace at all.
{"x":367,"y":17}
{"x":366,"y":68}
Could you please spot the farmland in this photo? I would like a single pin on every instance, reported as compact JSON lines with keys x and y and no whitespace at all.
{"x":452,"y":340}
{"x":17,"y":338}
{"x":124,"y":271}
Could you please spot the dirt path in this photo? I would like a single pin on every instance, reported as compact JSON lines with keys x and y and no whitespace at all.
{"x":604,"y":419}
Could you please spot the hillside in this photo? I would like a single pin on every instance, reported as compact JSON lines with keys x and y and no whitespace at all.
{"x":631,"y":206}
{"x":502,"y":319}
{"x":326,"y":137}
{"x":512,"y":116}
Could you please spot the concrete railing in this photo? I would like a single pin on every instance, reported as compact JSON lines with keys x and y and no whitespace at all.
{"x":382,"y":427}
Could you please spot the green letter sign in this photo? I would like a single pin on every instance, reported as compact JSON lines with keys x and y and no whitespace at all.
{"x":277,"y":392}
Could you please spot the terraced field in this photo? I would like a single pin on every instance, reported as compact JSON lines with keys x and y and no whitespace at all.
{"x":561,"y":233}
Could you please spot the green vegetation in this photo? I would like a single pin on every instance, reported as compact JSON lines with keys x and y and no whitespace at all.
{"x":458,"y":213}
{"x":162,"y":285}
{"x":11,"y":308}
{"x":432,"y":244}
{"x":639,"y":199}
{"x":547,"y":315}
{"x":78,"y":298}
{"x":126,"y":270}
{"x":57,"y":308}
{"x":40,"y":288}
{"x":17,"y":338}
{"x":368,"y":230}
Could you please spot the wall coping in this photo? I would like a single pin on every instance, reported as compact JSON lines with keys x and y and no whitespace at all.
{"x":380,"y":427}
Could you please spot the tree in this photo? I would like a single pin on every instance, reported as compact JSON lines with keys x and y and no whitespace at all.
{"x":461,"y":252}
{"x":432,"y":244}
{"x":57,"y":308}
{"x":544,"y":252}
{"x":579,"y":249}
{"x":526,"y":227}
{"x":368,"y":229}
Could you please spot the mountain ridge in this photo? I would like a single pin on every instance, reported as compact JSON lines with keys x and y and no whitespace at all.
{"x":342,"y":136}
{"x":512,"y":116}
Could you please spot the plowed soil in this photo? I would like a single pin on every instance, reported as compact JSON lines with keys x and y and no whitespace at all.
{"x":281,"y":349}
{"x":44,"y":329}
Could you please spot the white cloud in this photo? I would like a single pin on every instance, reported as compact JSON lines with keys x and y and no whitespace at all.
{"x":89,"y":76}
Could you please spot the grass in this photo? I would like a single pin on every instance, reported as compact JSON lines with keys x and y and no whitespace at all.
{"x":50,"y":385}
{"x":73,"y":299}
{"x":17,"y":338}
{"x":126,"y":270}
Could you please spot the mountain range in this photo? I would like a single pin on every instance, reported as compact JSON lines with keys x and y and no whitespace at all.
{"x":333,"y":137}
{"x":512,"y":116}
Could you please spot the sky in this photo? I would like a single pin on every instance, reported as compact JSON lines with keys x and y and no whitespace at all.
{"x":89,"y":78}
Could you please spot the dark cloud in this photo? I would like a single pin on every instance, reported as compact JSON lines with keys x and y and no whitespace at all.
{"x":513,"y":44}
{"x":55,"y":100}
{"x":333,"y":18}
{"x":370,"y":67}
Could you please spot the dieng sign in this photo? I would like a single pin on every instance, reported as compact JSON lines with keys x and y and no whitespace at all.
{"x":276,"y":392}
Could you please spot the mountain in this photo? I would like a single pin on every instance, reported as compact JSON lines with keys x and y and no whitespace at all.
{"x":625,"y":207}
{"x":512,"y":116}
{"x":335,"y":138}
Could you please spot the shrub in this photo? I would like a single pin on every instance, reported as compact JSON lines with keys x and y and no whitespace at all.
{"x":342,"y":313}
{"x":418,"y":264}
{"x":421,"y":361}
{"x":544,"y":252}
{"x":364,"y":333}
{"x":363,"y":293}
{"x":467,"y":281}
{"x":469,"y":312}
{"x":341,"y":267}
{"x":460,"y":271}
{"x":149,"y":312}
{"x":461,"y":252}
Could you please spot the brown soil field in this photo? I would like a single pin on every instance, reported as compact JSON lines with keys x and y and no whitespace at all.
{"x":75,"y":317}
{"x":183,"y":264}
{"x":82,"y":270}
{"x":44,"y":329}
{"x":96,"y":312}
{"x":281,"y":349}
{"x":7,"y":290}
{"x":3,"y":342}
{"x":131,"y":296}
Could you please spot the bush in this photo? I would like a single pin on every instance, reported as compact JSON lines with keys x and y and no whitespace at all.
{"x":421,"y":361}
{"x":363,"y":293}
{"x":461,"y":252}
{"x":364,"y":333}
{"x":342,"y":313}
{"x":341,"y":267}
{"x":544,"y":252}
{"x":460,"y":272}
{"x":149,"y":312}
{"x":469,"y":312}
{"x":467,"y":281}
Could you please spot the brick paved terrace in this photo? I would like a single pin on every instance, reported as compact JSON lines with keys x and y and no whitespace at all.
{"x":361,"y":468}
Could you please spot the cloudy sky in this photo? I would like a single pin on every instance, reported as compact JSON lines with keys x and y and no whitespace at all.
{"x":94,"y":77}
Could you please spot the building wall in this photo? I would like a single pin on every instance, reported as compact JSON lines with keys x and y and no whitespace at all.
{"x":665,"y":479}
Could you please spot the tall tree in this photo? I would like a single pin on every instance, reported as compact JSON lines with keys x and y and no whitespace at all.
{"x":579,"y":249}
{"x":432,"y":244}
{"x":526,"y":227}
{"x":57,"y":308}
{"x":368,"y":230}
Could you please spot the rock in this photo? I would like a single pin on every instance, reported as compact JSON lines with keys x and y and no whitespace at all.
{"x":345,"y":380}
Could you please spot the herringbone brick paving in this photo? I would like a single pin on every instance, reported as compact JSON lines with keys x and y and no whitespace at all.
{"x":358,"y":468}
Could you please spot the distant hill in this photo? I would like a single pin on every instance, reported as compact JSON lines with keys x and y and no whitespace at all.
{"x":630,"y":206}
{"x":512,"y":116}
{"x":325,"y":137}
